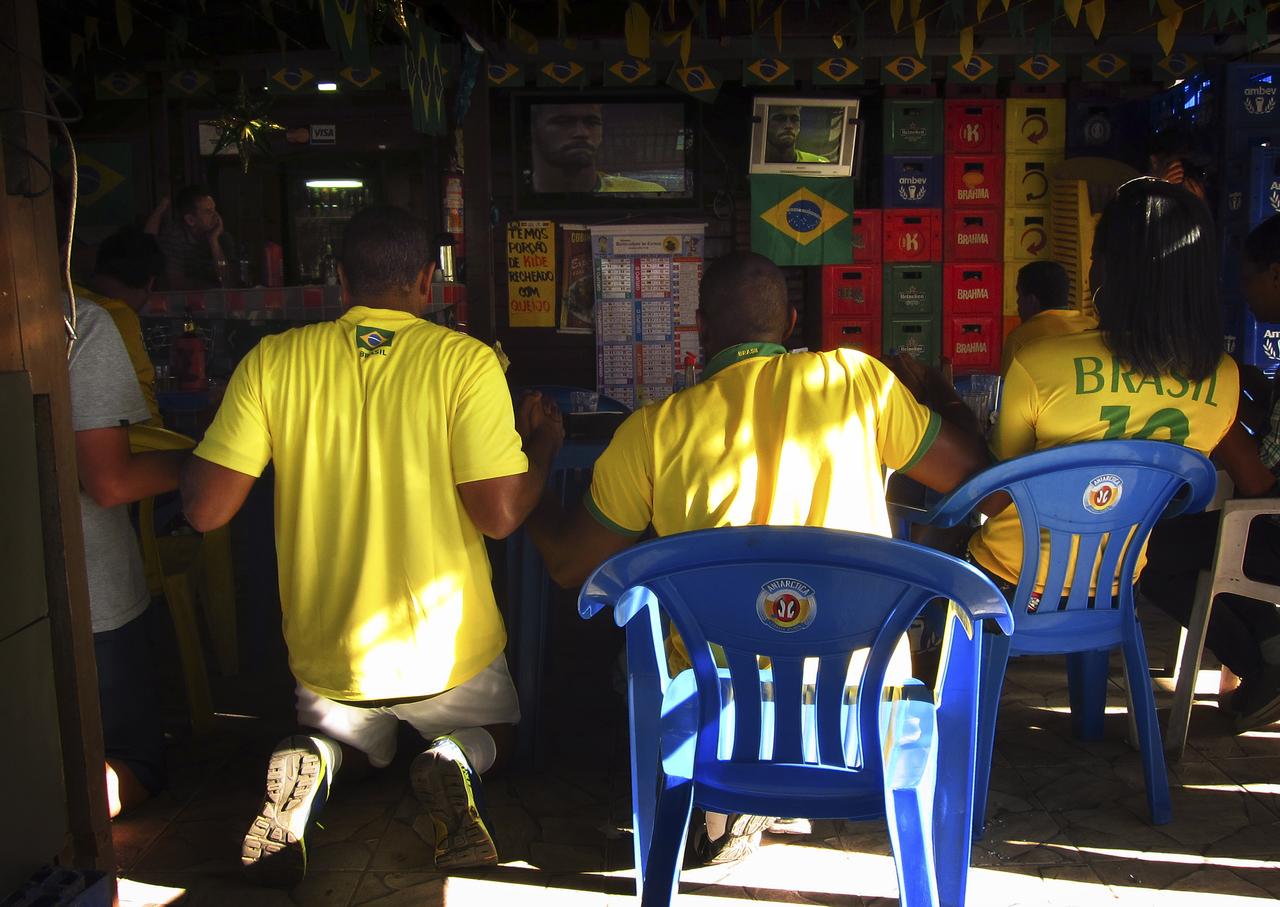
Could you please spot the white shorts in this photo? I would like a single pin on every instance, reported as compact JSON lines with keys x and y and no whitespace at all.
{"x":486,"y":699}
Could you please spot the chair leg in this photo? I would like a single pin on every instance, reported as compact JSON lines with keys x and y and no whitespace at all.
{"x":644,"y":704}
{"x":1184,"y":691}
{"x":177,"y":593}
{"x":910,"y":835}
{"x":995,"y":658}
{"x":218,"y":576}
{"x":661,"y":875}
{"x":1087,"y":692}
{"x":1144,"y":716}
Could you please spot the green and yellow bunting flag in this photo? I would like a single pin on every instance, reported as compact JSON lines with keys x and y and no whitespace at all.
{"x":977,"y":70}
{"x":1176,"y":65}
{"x":120,"y":86}
{"x":367,"y":77}
{"x":1106,"y":67}
{"x":347,"y":31}
{"x":508,"y":74}
{"x":424,"y":76}
{"x":1039,"y":68}
{"x":629,"y":71}
{"x":186,"y":83}
{"x":906,"y":70}
{"x":798,"y":220}
{"x":562,"y":74}
{"x":837,"y":71}
{"x":290,"y":80}
{"x":701,"y":82}
{"x":768,"y":71}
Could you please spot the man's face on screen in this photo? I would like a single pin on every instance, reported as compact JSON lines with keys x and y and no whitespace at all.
{"x":568,"y":136}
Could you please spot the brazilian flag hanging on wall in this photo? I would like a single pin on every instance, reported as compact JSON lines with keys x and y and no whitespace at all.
{"x":799,"y":220}
{"x":347,"y":30}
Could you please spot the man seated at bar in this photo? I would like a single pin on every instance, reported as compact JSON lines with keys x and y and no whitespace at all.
{"x":566,"y":140}
{"x":197,"y":251}
{"x":396,"y":453}
{"x":1044,"y":309}
{"x":1243,"y":634}
{"x":129,"y":261}
{"x":766,"y":437}
{"x":781,"y":133}
{"x":1154,"y":368}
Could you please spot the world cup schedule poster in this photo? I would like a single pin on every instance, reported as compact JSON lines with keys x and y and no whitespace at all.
{"x":646,"y":286}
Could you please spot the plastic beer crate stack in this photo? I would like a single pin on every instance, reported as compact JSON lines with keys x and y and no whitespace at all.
{"x":973,"y":229}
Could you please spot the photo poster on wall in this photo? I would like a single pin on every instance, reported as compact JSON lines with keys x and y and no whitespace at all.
{"x":577,"y":280}
{"x":531,"y":274}
{"x":646,"y":301}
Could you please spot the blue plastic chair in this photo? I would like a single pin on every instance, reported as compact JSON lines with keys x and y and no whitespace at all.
{"x":1049,"y":488}
{"x":773,"y":742}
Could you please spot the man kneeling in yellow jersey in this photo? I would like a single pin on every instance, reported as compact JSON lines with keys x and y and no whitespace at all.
{"x":713,"y":454}
{"x":395,"y":453}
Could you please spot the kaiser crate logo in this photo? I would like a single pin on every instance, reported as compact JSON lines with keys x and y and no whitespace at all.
{"x":971,"y":134}
{"x":1103,"y":492}
{"x":909,"y":242}
{"x":1259,"y":100}
{"x":786,"y":605}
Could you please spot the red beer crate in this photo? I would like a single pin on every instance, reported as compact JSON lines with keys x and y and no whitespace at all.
{"x":972,"y":287}
{"x":973,"y":234}
{"x":974,"y":126}
{"x":855,"y":333}
{"x":866,"y":236}
{"x":974,"y":180}
{"x":972,"y":342}
{"x":912,"y":234}
{"x":851,"y":290}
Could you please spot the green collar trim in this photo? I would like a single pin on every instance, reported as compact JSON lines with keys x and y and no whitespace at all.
{"x":731,"y":355}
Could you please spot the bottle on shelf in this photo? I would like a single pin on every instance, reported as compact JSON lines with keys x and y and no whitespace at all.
{"x":187,"y":366}
{"x":329,"y":264}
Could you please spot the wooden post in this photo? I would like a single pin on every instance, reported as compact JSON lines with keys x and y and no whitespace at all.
{"x":33,"y":339}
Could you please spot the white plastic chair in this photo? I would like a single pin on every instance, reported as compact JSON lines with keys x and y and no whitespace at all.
{"x":1227,"y":575}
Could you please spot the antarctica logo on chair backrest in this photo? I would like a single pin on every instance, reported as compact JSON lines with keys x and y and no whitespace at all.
{"x":373,"y":341}
{"x":1103,"y":492}
{"x":786,"y":605}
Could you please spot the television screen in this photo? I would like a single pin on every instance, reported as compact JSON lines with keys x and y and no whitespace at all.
{"x":806,"y":136}
{"x":582,"y":150}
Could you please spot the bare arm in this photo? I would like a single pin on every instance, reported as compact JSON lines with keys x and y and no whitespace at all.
{"x":111,"y":474}
{"x":212,"y":494}
{"x":1237,"y":453}
{"x":932,"y":389}
{"x":574,"y":543}
{"x":498,"y":506}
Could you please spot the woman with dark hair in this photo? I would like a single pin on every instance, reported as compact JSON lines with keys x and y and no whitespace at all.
{"x":1154,"y":368}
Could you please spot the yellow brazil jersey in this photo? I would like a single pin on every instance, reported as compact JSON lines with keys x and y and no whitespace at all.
{"x":1049,"y":323}
{"x":371,"y":421}
{"x":1064,"y":390}
{"x":765,"y":438}
{"x":130,"y":329}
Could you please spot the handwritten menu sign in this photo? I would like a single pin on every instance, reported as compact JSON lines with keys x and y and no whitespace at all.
{"x":531,"y":274}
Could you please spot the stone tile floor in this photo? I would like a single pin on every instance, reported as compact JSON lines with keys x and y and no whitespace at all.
{"x":1067,"y":820}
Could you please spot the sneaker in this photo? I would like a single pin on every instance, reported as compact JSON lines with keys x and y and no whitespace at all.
{"x":717,"y":838}
{"x":453,"y":796}
{"x":1256,"y":702}
{"x":298,"y":779}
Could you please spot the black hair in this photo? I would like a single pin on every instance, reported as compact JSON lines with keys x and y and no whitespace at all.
{"x":188,"y":199}
{"x":1157,"y":306}
{"x":384,"y":248}
{"x":1262,"y":245}
{"x":131,"y":257}
{"x":743,"y":297}
{"x":1178,"y":144}
{"x":1047,"y":281}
